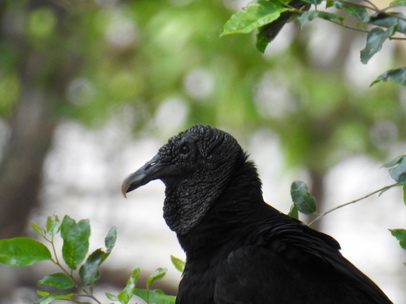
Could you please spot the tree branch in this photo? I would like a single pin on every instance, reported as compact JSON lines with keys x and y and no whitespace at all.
{"x":352,"y":202}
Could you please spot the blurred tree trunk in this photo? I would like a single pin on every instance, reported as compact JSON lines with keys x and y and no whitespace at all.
{"x":32,"y":128}
{"x":44,"y":72}
{"x":45,"y":67}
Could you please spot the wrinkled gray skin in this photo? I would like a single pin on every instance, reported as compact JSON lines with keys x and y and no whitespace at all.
{"x":195,"y":166}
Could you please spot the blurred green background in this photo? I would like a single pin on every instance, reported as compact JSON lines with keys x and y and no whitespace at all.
{"x":89,"y":89}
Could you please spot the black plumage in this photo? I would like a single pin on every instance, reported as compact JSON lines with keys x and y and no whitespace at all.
{"x":238,"y":248}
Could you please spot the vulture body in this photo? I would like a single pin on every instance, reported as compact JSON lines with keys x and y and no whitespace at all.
{"x":238,"y":248}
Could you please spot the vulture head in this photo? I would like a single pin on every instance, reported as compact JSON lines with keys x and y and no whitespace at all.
{"x":195,"y":167}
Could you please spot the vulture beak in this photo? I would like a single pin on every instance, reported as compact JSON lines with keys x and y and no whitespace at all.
{"x":142,"y":176}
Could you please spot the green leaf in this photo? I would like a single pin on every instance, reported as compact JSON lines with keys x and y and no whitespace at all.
{"x":398,"y":172}
{"x":112,"y":297}
{"x":37,"y":228}
{"x":51,"y":298}
{"x":253,"y":16}
{"x":376,"y":37}
{"x":155,"y":296}
{"x":75,"y":241}
{"x":59,"y":280}
{"x":329,"y":16}
{"x":262,"y":39}
{"x":389,"y":20}
{"x":178,"y":263}
{"x":396,"y":75}
{"x":43,"y":293}
{"x":110,"y":239}
{"x":301,"y":197}
{"x":268,"y":32}
{"x":394,"y":162}
{"x":53,"y":225}
{"x":294,"y":212}
{"x":22,"y":251}
{"x":400,"y":234}
{"x":357,"y":11}
{"x":158,"y":274}
{"x":311,"y":15}
{"x":404,"y":194}
{"x":397,"y":3}
{"x":89,"y":271}
{"x":126,"y":294}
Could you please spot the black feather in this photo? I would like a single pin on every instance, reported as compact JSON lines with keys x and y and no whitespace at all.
{"x":238,"y":248}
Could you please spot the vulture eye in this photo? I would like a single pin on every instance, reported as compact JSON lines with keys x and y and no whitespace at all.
{"x":185,"y":149}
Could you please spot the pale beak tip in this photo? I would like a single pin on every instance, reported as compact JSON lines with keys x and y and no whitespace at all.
{"x":124,"y":189}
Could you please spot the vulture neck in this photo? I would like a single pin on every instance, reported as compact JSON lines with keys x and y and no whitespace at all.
{"x":239,"y":208}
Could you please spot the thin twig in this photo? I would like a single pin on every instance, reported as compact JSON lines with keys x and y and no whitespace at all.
{"x":375,"y":8}
{"x":77,"y":301}
{"x":54,"y":251}
{"x":397,"y":38}
{"x":89,"y":296}
{"x":70,"y":274}
{"x":365,"y":31}
{"x":352,"y":202}
{"x":348,"y":27}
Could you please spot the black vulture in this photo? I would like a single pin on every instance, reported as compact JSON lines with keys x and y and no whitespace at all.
{"x":238,"y":248}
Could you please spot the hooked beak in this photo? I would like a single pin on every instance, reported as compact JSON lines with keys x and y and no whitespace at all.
{"x":142,"y":176}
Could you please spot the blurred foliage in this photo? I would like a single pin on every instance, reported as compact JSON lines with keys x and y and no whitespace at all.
{"x":142,"y":56}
